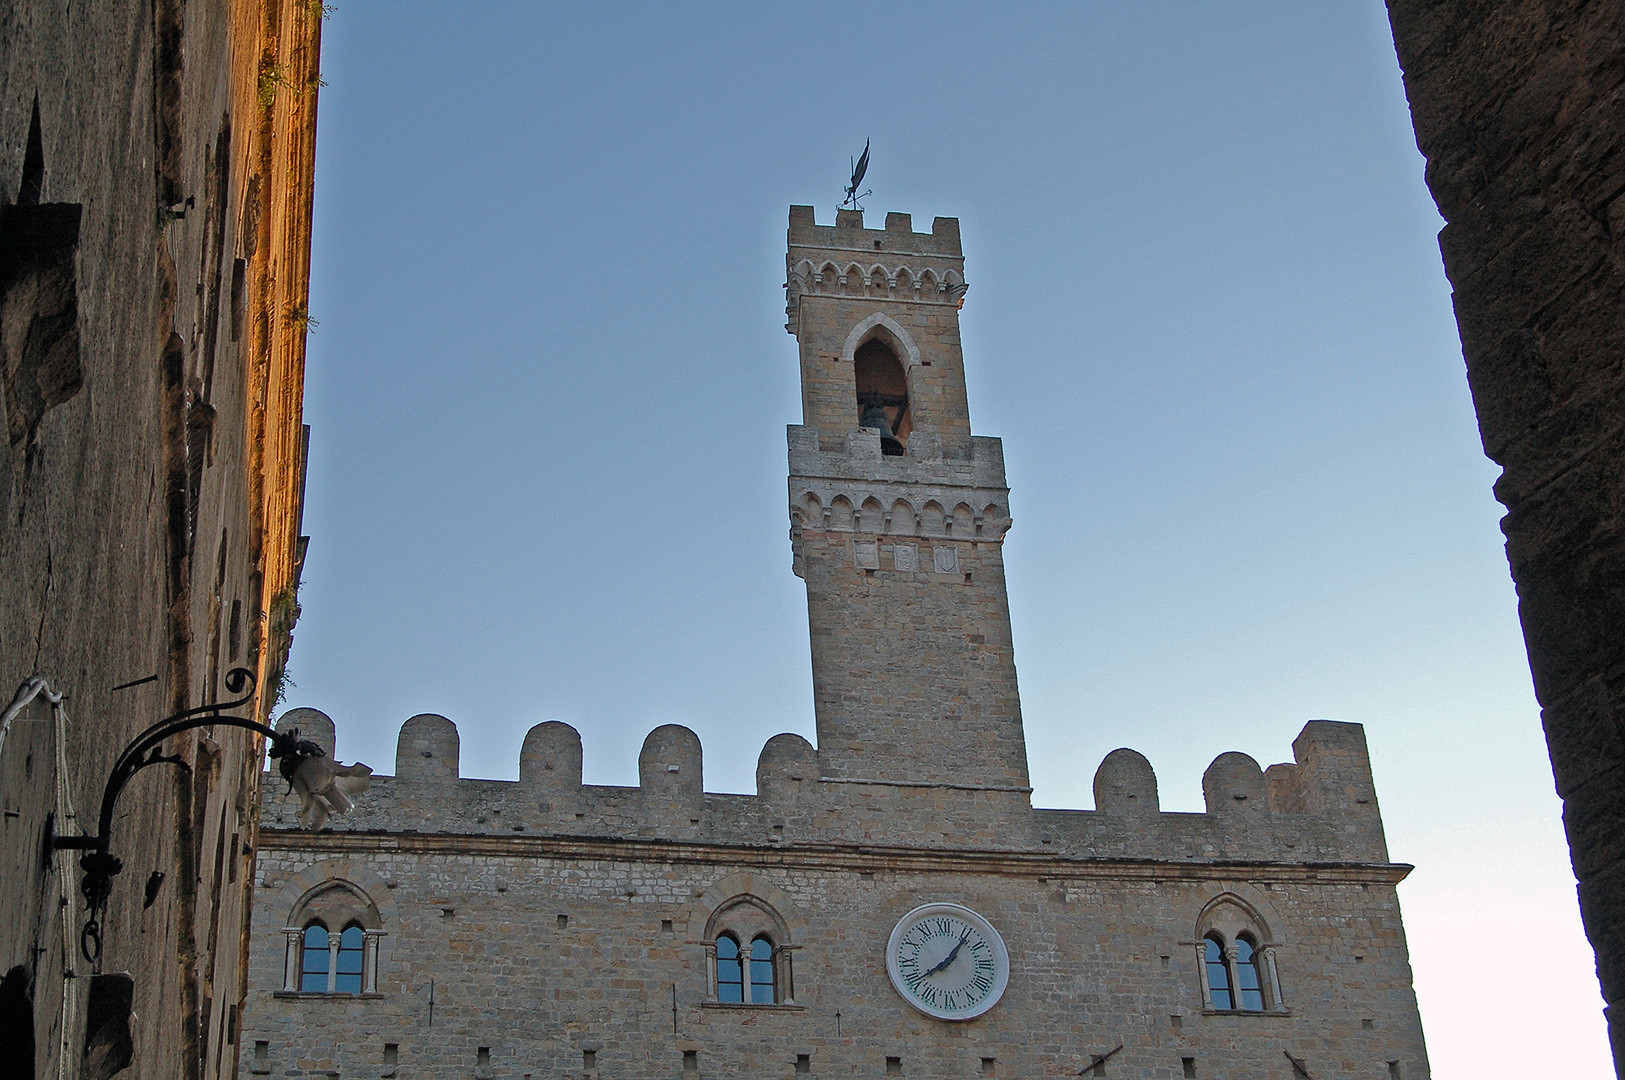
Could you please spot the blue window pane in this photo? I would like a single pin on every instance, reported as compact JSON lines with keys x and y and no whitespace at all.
{"x":730,"y":975}
{"x":1218,"y":976}
{"x":761,"y":972}
{"x":313,"y":965}
{"x":1247,"y":977}
{"x":349,"y":969}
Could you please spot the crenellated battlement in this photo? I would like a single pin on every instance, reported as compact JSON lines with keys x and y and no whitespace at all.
{"x":849,"y":234}
{"x":1320,"y":807}
{"x":896,"y":264}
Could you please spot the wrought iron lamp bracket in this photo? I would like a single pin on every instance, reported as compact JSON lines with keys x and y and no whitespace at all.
{"x":99,"y":864}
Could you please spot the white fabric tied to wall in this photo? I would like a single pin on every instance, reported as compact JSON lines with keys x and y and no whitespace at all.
{"x":325,"y":787}
{"x":34,"y":686}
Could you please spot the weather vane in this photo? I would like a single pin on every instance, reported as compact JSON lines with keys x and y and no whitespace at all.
{"x":852,"y":192}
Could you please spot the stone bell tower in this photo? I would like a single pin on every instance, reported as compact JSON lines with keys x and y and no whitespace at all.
{"x":898,"y":514}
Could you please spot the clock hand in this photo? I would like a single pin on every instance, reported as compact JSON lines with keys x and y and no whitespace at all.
{"x":950,"y":957}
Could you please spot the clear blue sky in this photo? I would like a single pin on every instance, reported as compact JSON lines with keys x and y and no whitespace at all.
{"x":550,"y":381}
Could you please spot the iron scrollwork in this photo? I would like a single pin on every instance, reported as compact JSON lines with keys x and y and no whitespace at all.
{"x":99,"y":864}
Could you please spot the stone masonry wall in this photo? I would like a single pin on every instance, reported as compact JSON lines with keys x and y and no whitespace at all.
{"x":1519,"y":107}
{"x":151,"y":246}
{"x":913,"y":666}
{"x":554,"y":919}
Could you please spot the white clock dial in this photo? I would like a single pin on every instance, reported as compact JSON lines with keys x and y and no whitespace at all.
{"x":947,"y":961}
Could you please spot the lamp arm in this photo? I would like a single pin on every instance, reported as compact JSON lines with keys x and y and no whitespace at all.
{"x":99,"y":864}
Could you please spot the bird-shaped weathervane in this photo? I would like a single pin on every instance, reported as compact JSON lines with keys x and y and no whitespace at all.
{"x":852,"y":192}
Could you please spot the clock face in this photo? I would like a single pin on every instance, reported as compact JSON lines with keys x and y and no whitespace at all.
{"x":947,"y":961}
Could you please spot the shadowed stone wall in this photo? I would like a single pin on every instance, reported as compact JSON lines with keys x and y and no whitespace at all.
{"x":1520,"y":110}
{"x":156,"y":163}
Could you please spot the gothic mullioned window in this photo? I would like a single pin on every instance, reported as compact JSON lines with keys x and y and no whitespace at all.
{"x":329,"y":966}
{"x":1236,"y":959}
{"x":748,"y":952}
{"x":1234,"y":979}
{"x":324,"y":960}
{"x":746,"y":977}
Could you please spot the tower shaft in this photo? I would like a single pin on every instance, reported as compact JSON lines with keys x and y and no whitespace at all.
{"x":898,"y":513}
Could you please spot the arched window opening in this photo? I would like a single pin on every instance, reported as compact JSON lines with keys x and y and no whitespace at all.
{"x":749,"y":950}
{"x":348,"y":977}
{"x":730,"y":973}
{"x":883,"y":395}
{"x":1248,"y":980}
{"x":763,"y":990}
{"x":320,"y":958}
{"x":1236,"y":956}
{"x":314,"y":960}
{"x":1218,"y":974}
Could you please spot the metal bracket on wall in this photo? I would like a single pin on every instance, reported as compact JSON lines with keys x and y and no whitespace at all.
{"x":99,"y":864}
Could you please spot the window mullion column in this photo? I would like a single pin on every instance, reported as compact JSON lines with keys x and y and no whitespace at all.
{"x":333,"y":942}
{"x":1233,"y":966}
{"x":294,"y":959}
{"x":1201,"y":972}
{"x":1268,"y":952}
{"x":369,"y":961}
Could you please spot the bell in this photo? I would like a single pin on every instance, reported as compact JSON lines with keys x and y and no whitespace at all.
{"x":874,"y":416}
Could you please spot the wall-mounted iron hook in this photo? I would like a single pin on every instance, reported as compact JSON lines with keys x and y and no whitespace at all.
{"x":99,"y":864}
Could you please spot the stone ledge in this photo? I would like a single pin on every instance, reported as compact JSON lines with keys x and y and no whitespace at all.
{"x":323,"y":995}
{"x":830,"y":857}
{"x":739,"y":1006}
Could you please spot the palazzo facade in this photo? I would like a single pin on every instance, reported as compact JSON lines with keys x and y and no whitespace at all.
{"x":887,"y":903}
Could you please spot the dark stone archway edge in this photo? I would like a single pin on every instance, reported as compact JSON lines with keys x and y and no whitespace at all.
{"x":1519,"y":107}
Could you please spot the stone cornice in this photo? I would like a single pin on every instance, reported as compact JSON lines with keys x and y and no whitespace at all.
{"x":831,"y":857}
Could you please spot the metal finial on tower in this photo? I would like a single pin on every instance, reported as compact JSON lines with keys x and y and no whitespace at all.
{"x":852,"y":192}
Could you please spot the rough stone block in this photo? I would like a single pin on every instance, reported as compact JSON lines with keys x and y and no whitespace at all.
{"x":551,"y":757}
{"x":428,"y":749}
{"x":1126,"y":785}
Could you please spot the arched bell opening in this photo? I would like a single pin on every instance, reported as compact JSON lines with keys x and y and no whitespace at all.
{"x":883,"y":395}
